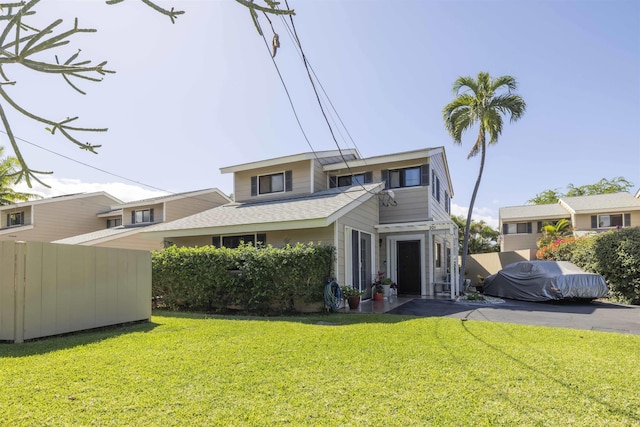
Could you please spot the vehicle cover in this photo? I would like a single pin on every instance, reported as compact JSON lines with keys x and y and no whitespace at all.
{"x":545,"y":281}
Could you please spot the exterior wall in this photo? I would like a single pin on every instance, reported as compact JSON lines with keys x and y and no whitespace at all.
{"x":490,"y":263}
{"x":55,"y":289}
{"x":320,"y":180}
{"x":135,"y":241}
{"x":27,"y":215}
{"x":363,"y":218}
{"x":301,"y":181}
{"x":438,"y":208}
{"x":176,"y":209}
{"x":583,"y":222}
{"x":412,"y":205}
{"x":158,"y":213}
{"x":60,"y":219}
{"x":277,"y":239}
{"x":516,"y":242}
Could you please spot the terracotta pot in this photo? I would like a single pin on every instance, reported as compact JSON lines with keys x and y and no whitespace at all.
{"x":378,"y":297}
{"x":354,"y":302}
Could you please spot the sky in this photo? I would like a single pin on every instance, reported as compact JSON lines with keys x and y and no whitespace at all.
{"x":191,"y":97}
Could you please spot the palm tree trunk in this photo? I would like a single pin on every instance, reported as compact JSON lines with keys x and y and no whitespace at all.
{"x":465,"y":244}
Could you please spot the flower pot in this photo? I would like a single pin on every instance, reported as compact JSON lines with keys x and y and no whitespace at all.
{"x":386,"y":289}
{"x":378,"y":297}
{"x":354,"y":302}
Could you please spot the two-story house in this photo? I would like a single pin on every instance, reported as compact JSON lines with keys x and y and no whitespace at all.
{"x":387,"y":213}
{"x":121,"y":223}
{"x":50,"y":219}
{"x":521,"y":225}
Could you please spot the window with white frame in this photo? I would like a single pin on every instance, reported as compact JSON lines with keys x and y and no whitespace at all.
{"x":613,"y":220}
{"x":114,"y":222}
{"x":141,"y":216}
{"x":271,"y":183}
{"x":517,"y":228}
{"x":349,"y":180}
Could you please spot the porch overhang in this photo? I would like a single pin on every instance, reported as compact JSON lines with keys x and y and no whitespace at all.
{"x":418,"y":226}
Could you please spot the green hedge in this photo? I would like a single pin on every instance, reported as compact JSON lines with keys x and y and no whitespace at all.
{"x":614,"y":254}
{"x":260,"y":280}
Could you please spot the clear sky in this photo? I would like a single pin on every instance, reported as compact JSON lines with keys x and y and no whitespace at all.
{"x":201,"y":94}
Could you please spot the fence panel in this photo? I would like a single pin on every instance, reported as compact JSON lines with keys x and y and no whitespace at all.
{"x":50,"y":289}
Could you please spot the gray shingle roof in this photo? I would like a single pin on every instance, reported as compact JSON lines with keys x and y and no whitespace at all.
{"x":107,"y":233}
{"x":321,"y":207}
{"x":601,"y":202}
{"x":549,"y":211}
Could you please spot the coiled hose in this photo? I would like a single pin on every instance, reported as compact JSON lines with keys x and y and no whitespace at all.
{"x":332,"y":296}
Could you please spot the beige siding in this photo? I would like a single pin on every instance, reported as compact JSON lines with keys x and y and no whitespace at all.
{"x":363,"y":218}
{"x":516,"y":242}
{"x":158,"y":213}
{"x":583,"y":222}
{"x":301,"y":181}
{"x":320,"y":179}
{"x":195,"y":241}
{"x":176,"y":209}
{"x":438,"y":211}
{"x":135,"y":241}
{"x":411,"y":206}
{"x":60,"y":219}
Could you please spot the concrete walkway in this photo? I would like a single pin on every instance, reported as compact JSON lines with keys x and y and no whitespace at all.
{"x":596,"y":316}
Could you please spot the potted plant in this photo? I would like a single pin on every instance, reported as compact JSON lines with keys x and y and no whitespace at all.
{"x":378,"y":287}
{"x":352,"y":295}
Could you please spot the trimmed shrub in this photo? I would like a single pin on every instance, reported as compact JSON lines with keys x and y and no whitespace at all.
{"x":259,"y":280}
{"x":617,"y":258}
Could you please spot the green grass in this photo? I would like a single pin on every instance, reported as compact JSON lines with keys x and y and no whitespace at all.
{"x":190,"y":370}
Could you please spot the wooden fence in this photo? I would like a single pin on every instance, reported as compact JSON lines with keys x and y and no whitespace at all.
{"x":49,"y":289}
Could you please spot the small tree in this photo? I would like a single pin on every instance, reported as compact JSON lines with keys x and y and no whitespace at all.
{"x":554,"y":231}
{"x":24,"y":45}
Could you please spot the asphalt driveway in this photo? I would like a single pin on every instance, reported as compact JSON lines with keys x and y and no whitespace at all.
{"x":596,"y":316}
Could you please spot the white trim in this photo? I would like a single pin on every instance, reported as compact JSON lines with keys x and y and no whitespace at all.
{"x":312,"y":180}
{"x":284,"y":184}
{"x":348,"y":266}
{"x":378,"y":160}
{"x":392,"y":258}
{"x":288,"y":159}
{"x":16,"y":229}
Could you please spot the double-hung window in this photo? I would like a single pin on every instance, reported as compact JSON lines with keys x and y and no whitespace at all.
{"x":115,"y":222}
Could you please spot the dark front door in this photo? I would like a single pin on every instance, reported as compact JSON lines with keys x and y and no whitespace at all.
{"x":409,"y":267}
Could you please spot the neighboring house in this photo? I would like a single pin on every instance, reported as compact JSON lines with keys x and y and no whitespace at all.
{"x":388,"y":213}
{"x":122,"y":222}
{"x":521,"y":225}
{"x":46,"y":220}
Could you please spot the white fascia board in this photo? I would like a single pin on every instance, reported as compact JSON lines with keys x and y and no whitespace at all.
{"x":286,"y":159}
{"x":416,"y":226}
{"x":377,"y":160}
{"x":16,"y":229}
{"x":241,"y":228}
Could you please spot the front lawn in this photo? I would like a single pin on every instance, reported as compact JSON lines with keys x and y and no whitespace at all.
{"x":190,"y":370}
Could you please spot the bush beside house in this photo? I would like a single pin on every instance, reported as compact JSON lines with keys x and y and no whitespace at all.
{"x":258,"y":280}
{"x":614,"y":254}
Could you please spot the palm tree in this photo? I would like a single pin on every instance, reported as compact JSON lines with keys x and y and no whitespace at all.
{"x":552,"y":232}
{"x":482,"y":101}
{"x":8,"y":169}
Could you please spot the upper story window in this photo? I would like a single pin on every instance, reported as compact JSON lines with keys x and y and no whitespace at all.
{"x":14,"y":219}
{"x":114,"y":222}
{"x":406,"y":177}
{"x":272,"y":183}
{"x":349,"y":180}
{"x":611,"y":220}
{"x":447,"y":202}
{"x":142,"y":216}
{"x":517,"y":228}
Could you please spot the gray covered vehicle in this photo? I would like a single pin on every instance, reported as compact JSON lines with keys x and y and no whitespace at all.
{"x":545,"y":281}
